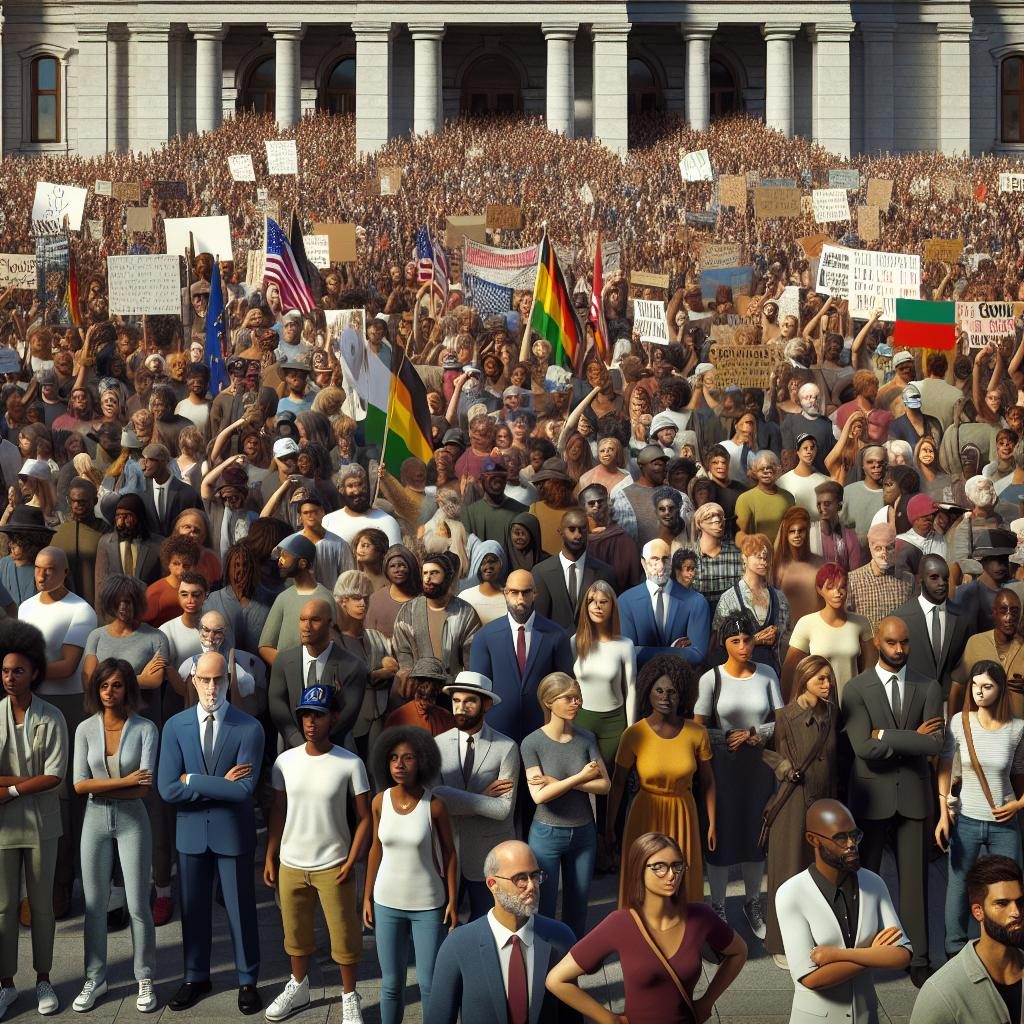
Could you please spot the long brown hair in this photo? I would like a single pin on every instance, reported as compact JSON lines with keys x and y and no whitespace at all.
{"x":644,"y":847}
{"x":1001,"y":710}
{"x":784,"y":554}
{"x":806,"y":669}
{"x":586,"y":633}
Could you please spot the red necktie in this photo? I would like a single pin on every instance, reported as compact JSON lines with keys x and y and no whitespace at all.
{"x":518,"y":993}
{"x":521,"y":650}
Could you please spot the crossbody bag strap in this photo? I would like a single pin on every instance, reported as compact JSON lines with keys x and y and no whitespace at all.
{"x":965,"y":719}
{"x":656,"y":950}
{"x":789,"y":788}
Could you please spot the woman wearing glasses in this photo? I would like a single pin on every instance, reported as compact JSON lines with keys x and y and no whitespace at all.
{"x":657,"y":938}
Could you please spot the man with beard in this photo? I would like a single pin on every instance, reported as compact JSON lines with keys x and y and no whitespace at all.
{"x":479,"y":773}
{"x":983,"y":981}
{"x":296,"y":557}
{"x":607,"y":540}
{"x":490,"y":517}
{"x":356,"y":514}
{"x":247,"y":675}
{"x":494,"y":968}
{"x":877,"y":588}
{"x":128,"y":550}
{"x":810,"y":421}
{"x":894,"y":723}
{"x":838,"y":923}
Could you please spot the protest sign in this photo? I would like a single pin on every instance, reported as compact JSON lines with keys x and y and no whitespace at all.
{"x":642,"y":279}
{"x":209,"y":234}
{"x":649,"y":321}
{"x":144,"y":284}
{"x":847,"y":178}
{"x":833,"y":276}
{"x":390,"y":181}
{"x":1009,"y":182}
{"x":777,"y":183}
{"x":282,"y":157}
{"x":611,"y":257}
{"x":341,"y":241}
{"x":772,"y":202}
{"x":126,"y":191}
{"x":53,"y":203}
{"x":507,"y":218}
{"x":696,"y":166}
{"x":317,"y":250}
{"x":920,"y":188}
{"x":474,"y":228}
{"x":138,"y":218}
{"x":102,"y":188}
{"x":586,"y":195}
{"x":985,"y":321}
{"x":9,"y":362}
{"x":732,"y":190}
{"x":944,"y":250}
{"x":94,"y":229}
{"x":811,"y":245}
{"x":879,"y":279}
{"x":163,"y":190}
{"x":255,"y":265}
{"x":789,"y":302}
{"x":724,"y":333}
{"x":715,"y":255}
{"x":736,"y":278}
{"x":879,"y":193}
{"x":830,"y":205}
{"x":753,"y":177}
{"x":867,"y":223}
{"x":241,"y":167}
{"x":744,"y":366}
{"x":52,"y":267}
{"x":17,"y":271}
{"x":946,"y":189}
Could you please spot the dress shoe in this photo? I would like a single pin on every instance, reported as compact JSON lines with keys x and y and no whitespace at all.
{"x":249,"y":1000}
{"x":919,"y":974}
{"x":189,"y":993}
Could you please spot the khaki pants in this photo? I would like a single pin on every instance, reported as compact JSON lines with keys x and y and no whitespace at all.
{"x":299,"y":892}
{"x":38,"y":863}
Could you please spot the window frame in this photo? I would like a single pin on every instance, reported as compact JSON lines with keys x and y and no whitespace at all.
{"x":1018,"y":92}
{"x":36,"y":93}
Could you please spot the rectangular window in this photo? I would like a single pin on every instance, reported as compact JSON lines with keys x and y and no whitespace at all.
{"x":45,"y":83}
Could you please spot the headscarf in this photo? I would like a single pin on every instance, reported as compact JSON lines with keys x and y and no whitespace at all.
{"x":703,"y":513}
{"x":534,"y":554}
{"x":480,"y":551}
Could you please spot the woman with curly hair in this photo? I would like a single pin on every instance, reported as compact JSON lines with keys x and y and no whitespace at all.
{"x":178,"y":555}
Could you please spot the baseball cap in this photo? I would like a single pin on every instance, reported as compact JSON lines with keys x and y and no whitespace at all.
{"x":650,"y":453}
{"x":316,"y":698}
{"x":800,"y":438}
{"x":912,"y":396}
{"x":471,"y":368}
{"x":454,"y":436}
{"x":921,"y":505}
{"x":199,"y":288}
{"x":299,"y":546}
{"x":901,"y":357}
{"x":47,"y":377}
{"x":285,"y":446}
{"x":662,"y":421}
{"x":513,"y":390}
{"x":291,"y":315}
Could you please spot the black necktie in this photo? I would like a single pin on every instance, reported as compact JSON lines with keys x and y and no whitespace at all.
{"x":936,"y":635}
{"x":160,"y":509}
{"x":897,"y":703}
{"x":467,"y":764}
{"x":573,"y":586}
{"x":311,"y":674}
{"x":660,"y":610}
{"x":208,"y":744}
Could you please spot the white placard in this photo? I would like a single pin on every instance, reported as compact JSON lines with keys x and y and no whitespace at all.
{"x":833,"y":277}
{"x":879,"y":279}
{"x":789,"y":302}
{"x":920,"y":188}
{"x":94,"y":228}
{"x":241,"y":167}
{"x":17,"y":271}
{"x":649,"y":321}
{"x":102,"y":188}
{"x":983,"y":321}
{"x":144,"y":284}
{"x":53,"y":203}
{"x":696,"y":166}
{"x":209,"y":234}
{"x":830,"y":205}
{"x":586,"y":195}
{"x":317,"y":250}
{"x":282,"y":157}
{"x":1011,"y":182}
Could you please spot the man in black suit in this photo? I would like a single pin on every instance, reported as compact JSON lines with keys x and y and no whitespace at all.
{"x":318,"y":662}
{"x":166,"y":496}
{"x":563,"y":579}
{"x":130,"y":549}
{"x":893,"y":718}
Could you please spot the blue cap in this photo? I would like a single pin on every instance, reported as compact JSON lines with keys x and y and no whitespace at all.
{"x":316,"y":698}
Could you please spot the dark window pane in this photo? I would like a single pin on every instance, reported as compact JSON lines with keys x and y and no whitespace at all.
{"x":46,"y":118}
{"x":640,"y":76}
{"x":1011,"y":118}
{"x":262,"y":76}
{"x":343,"y":76}
{"x":46,"y":72}
{"x":720,"y":76}
{"x":1011,"y":72}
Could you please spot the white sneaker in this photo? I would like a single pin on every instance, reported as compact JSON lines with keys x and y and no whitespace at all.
{"x":781,"y":962}
{"x":47,"y":999}
{"x":87,"y":997}
{"x":295,"y":997}
{"x":7,"y":998}
{"x":350,"y":1012}
{"x":146,"y":1003}
{"x":752,"y":912}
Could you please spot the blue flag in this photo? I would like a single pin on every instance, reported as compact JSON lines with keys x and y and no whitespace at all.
{"x":214,"y":329}
{"x":486,"y":297}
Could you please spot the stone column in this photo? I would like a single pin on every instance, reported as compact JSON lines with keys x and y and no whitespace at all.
{"x":91,"y":90}
{"x":832,"y":86}
{"x":698,"y":72}
{"x":426,"y":41}
{"x":288,"y":62}
{"x":953,"y":104}
{"x":149,"y":95}
{"x":879,"y":55}
{"x":561,"y":103}
{"x":209,"y":75}
{"x":778,"y":107}
{"x":373,"y":85}
{"x":611,"y":85}
{"x":118,"y":63}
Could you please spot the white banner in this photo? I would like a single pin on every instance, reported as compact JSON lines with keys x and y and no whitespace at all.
{"x":696,"y":166}
{"x":317,"y":250}
{"x":144,"y":284}
{"x":649,"y":321}
{"x":879,"y":279}
{"x":17,"y":271}
{"x":53,"y":203}
{"x":209,"y":234}
{"x":830,"y":205}
{"x":1011,"y":182}
{"x":241,"y":167}
{"x":984,"y":321}
{"x":282,"y":157}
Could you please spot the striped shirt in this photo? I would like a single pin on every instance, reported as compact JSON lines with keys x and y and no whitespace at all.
{"x":1000,"y":753}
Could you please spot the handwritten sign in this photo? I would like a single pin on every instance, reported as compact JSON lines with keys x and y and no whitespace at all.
{"x":282,"y":156}
{"x":241,"y":167}
{"x":732,"y":190}
{"x":341,"y":241}
{"x":317,"y":250}
{"x":126,"y":191}
{"x":847,"y":178}
{"x":879,"y":193}
{"x":102,"y":188}
{"x":649,"y":321}
{"x":696,"y":166}
{"x":642,"y":279}
{"x":209,"y":234}
{"x":879,"y":279}
{"x":984,"y":321}
{"x":943,"y":250}
{"x":867,"y":223}
{"x":715,"y":255}
{"x":1009,"y":182}
{"x":17,"y":271}
{"x":53,"y":203}
{"x":508,"y":218}
{"x":833,"y":272}
{"x":771,"y":202}
{"x":390,"y":181}
{"x":830,"y":205}
{"x":744,"y":366}
{"x":144,"y":284}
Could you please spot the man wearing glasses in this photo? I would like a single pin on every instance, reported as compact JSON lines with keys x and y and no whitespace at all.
{"x":494,"y":968}
{"x":838,"y":923}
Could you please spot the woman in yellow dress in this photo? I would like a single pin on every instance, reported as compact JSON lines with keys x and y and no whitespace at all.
{"x":667,"y":748}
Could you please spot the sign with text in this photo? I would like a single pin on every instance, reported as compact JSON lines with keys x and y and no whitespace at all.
{"x":830,"y":205}
{"x":777,"y":183}
{"x":744,"y":366}
{"x":507,"y":218}
{"x":390,"y":181}
{"x":879,"y":279}
{"x":696,"y":166}
{"x":144,"y":284}
{"x":103,"y":188}
{"x":1010,"y":182}
{"x":241,"y":167}
{"x":847,"y":178}
{"x":732,"y":190}
{"x":833,"y":272}
{"x":282,"y":156}
{"x":985,"y":321}
{"x":126,"y":191}
{"x":209,"y":234}
{"x":17,"y":271}
{"x":770,"y":202}
{"x":867,"y":223}
{"x":879,"y":192}
{"x":643,"y":279}
{"x":944,"y":250}
{"x":649,"y":321}
{"x":317,"y":250}
{"x":341,"y":241}
{"x":55,"y":203}
{"x":714,"y":255}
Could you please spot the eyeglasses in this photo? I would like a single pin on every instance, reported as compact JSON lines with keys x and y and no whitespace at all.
{"x":572,"y":698}
{"x":211,"y":630}
{"x":523,"y":879}
{"x":843,"y":838}
{"x":662,"y":868}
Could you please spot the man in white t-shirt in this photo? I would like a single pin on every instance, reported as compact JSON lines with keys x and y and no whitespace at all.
{"x":65,"y":620}
{"x":357,"y":514}
{"x":311,"y":851}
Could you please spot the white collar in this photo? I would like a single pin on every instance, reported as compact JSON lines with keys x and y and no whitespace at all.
{"x":502,"y":934}
{"x":566,"y":562}
{"x":527,"y":625}
{"x":885,"y":674}
{"x":218,"y":715}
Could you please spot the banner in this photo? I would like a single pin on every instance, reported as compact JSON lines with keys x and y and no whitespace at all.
{"x":696,"y":166}
{"x":879,"y":279}
{"x":770,"y":202}
{"x":649,"y":321}
{"x":17,"y":271}
{"x":1011,"y":182}
{"x":833,"y":272}
{"x":163,"y":190}
{"x":144,"y":284}
{"x":847,"y":178}
{"x":830,"y":205}
{"x":714,"y":255}
{"x":282,"y":157}
{"x":241,"y":167}
{"x":209,"y":234}
{"x":126,"y":191}
{"x":512,"y":268}
{"x":53,"y":203}
{"x":983,"y":322}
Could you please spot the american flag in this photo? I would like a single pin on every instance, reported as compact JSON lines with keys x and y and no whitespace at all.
{"x":282,"y":270}
{"x":486,"y":297}
{"x":424,"y":257}
{"x":439,"y":275}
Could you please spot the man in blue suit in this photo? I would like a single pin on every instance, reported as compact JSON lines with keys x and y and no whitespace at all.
{"x":210,"y":758}
{"x":660,"y":616}
{"x":517,"y":651}
{"x":493,"y":969}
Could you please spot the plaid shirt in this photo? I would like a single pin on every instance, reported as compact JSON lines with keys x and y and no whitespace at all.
{"x":716,"y":575}
{"x":875,"y":597}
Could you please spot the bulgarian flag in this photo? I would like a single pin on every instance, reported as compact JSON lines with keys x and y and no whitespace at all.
{"x":921,"y":324}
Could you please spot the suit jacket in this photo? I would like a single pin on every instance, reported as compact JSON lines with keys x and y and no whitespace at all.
{"x":479,"y":822}
{"x":553,"y":595}
{"x":180,"y":496}
{"x":213,"y":813}
{"x":688,"y":615}
{"x":890,"y":774}
{"x":960,"y":626}
{"x":467,"y":976}
{"x":494,"y":654}
{"x":343,"y":671}
{"x":806,"y":920}
{"x":108,"y":559}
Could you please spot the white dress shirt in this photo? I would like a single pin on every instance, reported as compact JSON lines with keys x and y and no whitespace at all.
{"x":501,"y":939}
{"x":928,"y":608}
{"x":463,"y":746}
{"x":527,"y":625}
{"x":157,"y":488}
{"x":652,"y":589}
{"x":580,"y":564}
{"x":885,"y":674}
{"x":320,"y":660}
{"x":218,"y":721}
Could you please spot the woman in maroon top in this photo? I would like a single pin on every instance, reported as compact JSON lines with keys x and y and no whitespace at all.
{"x":657,"y":928}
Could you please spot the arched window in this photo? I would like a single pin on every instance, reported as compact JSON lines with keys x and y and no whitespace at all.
{"x":340,"y":92}
{"x":644,"y":94}
{"x":491,"y":86}
{"x":45,"y":86}
{"x":725,"y":97}
{"x":1012,"y":100}
{"x":258,"y":94}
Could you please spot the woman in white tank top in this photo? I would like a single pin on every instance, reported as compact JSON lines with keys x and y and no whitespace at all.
{"x":412,"y":875}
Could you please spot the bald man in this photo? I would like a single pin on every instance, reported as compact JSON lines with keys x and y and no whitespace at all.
{"x":894,"y":723}
{"x":517,"y":651}
{"x":210,"y":757}
{"x":838,"y":923}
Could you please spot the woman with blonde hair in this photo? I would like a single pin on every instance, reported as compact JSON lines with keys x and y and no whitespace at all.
{"x":87,"y":469}
{"x":328,"y":401}
{"x":35,"y":481}
{"x":188,"y":466}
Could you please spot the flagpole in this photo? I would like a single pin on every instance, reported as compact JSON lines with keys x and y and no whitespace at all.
{"x":387,"y":420}
{"x":524,"y":348}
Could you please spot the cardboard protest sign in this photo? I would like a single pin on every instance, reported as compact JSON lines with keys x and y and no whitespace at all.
{"x":17,"y":271}
{"x":830,"y":205}
{"x":1011,"y":182}
{"x":745,"y":366}
{"x":649,"y":321}
{"x":53,"y":203}
{"x":390,"y":181}
{"x":317,"y":250}
{"x":241,"y":167}
{"x":879,"y":279}
{"x":126,"y":191}
{"x":474,"y":228}
{"x":920,"y":188}
{"x":985,"y":321}
{"x":102,"y":188}
{"x":138,"y":218}
{"x":715,"y":255}
{"x":144,"y":284}
{"x":696,"y":166}
{"x":732,"y":190}
{"x":737,"y":278}
{"x":341,"y":241}
{"x":641,"y":279}
{"x":833,"y":276}
{"x":504,"y":217}
{"x":879,"y":193}
{"x":255,"y":265}
{"x":847,"y":178}
{"x":770,"y":202}
{"x":944,"y":250}
{"x":163,"y":190}
{"x":209,"y":234}
{"x":282,"y":156}
{"x":867,"y":223}
{"x":811,"y":245}
{"x":586,"y":194}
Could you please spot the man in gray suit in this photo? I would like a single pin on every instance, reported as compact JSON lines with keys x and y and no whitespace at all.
{"x":893,"y":718}
{"x":479,"y":776}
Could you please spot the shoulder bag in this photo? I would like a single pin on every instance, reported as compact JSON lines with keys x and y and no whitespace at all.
{"x":965,"y":719}
{"x":663,"y":960}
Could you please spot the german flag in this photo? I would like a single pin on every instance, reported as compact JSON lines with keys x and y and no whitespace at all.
{"x":553,"y":317}
{"x":921,"y":324}
{"x":408,"y":423}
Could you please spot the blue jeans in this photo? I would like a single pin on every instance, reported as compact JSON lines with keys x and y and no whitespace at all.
{"x":968,"y":840}
{"x":392,"y":929}
{"x":571,"y":853}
